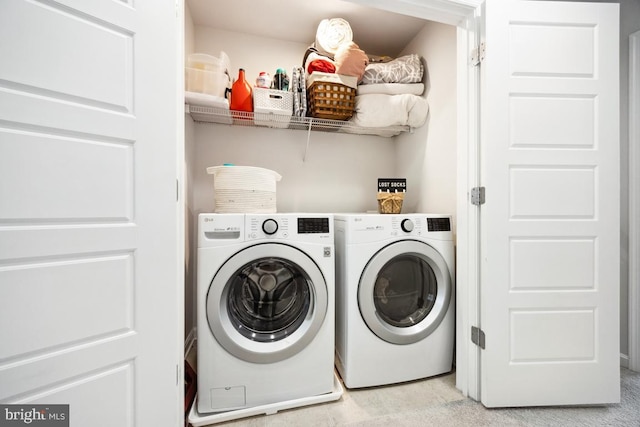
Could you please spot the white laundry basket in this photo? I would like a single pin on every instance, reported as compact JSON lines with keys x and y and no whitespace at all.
{"x":244,"y":189}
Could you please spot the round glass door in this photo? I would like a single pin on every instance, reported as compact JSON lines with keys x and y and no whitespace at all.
{"x":266,"y":303}
{"x":404,"y":292}
{"x":268,"y":299}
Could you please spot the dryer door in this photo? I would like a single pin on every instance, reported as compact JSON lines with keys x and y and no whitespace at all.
{"x":404,"y":292}
{"x":267,"y":302}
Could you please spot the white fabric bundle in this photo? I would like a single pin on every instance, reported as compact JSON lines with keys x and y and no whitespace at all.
{"x":392,"y":88}
{"x":331,"y":33}
{"x":349,"y":81}
{"x":378,"y":110}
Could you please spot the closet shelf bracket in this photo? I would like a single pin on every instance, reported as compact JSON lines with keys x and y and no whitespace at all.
{"x":306,"y":148}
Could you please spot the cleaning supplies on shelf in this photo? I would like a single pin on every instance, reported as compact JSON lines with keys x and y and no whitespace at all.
{"x":241,"y":94}
{"x":263,"y":80}
{"x":281,"y":80}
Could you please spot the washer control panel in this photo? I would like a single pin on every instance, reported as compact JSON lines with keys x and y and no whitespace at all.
{"x":307,"y":227}
{"x":313,"y":225}
{"x":264,"y":226}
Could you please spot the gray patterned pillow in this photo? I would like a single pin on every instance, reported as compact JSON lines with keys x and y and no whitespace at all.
{"x":405,"y":69}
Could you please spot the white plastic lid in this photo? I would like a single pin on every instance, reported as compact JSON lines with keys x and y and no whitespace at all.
{"x":207,"y":62}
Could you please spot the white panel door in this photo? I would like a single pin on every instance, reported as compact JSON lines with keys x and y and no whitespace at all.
{"x":550,"y":224}
{"x":89,"y":292}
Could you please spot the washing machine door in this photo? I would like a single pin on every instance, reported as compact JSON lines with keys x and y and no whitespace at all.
{"x":404,"y":292}
{"x":267,"y":302}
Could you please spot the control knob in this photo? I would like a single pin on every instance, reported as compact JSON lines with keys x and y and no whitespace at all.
{"x":270,"y":226}
{"x":406,"y":225}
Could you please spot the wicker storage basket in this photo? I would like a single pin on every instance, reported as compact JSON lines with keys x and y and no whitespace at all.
{"x":390,"y":203}
{"x":331,"y":100}
{"x":244,"y":189}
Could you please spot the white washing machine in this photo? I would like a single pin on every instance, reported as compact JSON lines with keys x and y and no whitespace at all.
{"x":265,"y":309}
{"x":394,"y":297}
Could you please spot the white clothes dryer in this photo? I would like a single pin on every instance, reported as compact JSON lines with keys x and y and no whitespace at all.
{"x":265,"y":309}
{"x":395,"y":301}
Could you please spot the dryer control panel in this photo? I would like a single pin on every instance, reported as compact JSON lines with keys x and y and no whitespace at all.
{"x":364,"y":228}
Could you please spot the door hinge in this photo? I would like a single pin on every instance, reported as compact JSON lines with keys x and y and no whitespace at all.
{"x":477,"y":336}
{"x":477,"y":54}
{"x":477,"y":196}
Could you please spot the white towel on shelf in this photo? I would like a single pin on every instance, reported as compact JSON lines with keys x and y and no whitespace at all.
{"x":392,"y":88}
{"x":331,"y":33}
{"x":379,"y":110}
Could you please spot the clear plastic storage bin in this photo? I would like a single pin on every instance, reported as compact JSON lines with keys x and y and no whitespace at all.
{"x":207,"y":74}
{"x":208,"y":82}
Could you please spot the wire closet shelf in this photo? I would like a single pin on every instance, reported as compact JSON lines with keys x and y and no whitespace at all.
{"x":204,"y":114}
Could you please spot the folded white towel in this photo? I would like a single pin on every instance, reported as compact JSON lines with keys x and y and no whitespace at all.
{"x":379,"y":110}
{"x":392,"y":88}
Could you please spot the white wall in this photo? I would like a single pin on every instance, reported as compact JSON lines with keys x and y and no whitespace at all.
{"x":428,"y":156}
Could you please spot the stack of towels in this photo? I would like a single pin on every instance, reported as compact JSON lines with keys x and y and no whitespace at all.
{"x":389,"y":91}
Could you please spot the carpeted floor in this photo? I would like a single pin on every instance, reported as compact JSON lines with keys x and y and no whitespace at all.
{"x":436,"y":402}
